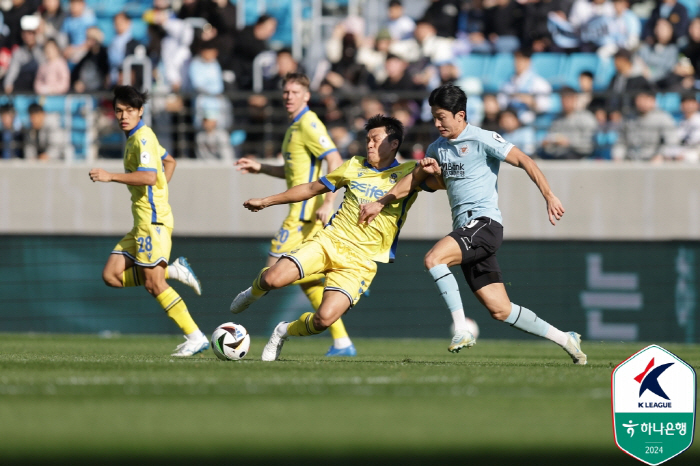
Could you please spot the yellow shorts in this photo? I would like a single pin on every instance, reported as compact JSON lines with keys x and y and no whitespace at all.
{"x":292,"y":233}
{"x":146,"y":245}
{"x":346,"y":270}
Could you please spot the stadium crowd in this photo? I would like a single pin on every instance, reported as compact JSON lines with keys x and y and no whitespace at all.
{"x":561,"y":79}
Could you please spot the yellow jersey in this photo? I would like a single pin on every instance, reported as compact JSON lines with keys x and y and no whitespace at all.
{"x":306,"y":143}
{"x":143,"y":152}
{"x":364,"y":184}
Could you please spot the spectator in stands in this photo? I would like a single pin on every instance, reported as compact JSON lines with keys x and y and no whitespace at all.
{"x":491,"y":110}
{"x":514,"y":132}
{"x":25,"y":59}
{"x":606,"y":134}
{"x":213,"y":142}
{"x":692,"y":49}
{"x":53,"y":76}
{"x":346,"y":73}
{"x":443,"y":15}
{"x":536,"y":35}
{"x":628,"y":78}
{"x":251,"y":41}
{"x":222,"y":17}
{"x":503,"y":22}
{"x":344,"y":140}
{"x":122,"y":45}
{"x":688,"y":131}
{"x":400,"y":26}
{"x":13,"y":18}
{"x":192,"y":9}
{"x":52,"y":17}
{"x":12,"y":144}
{"x":671,"y":10}
{"x":44,"y":139}
{"x":91,"y":74}
{"x":206,"y":78}
{"x":75,"y":26}
{"x":525,"y":92}
{"x":624,"y":30}
{"x":372,"y":54}
{"x":285,"y":64}
{"x":571,"y":135}
{"x":660,"y":56}
{"x":649,"y":134}
{"x":434,"y":48}
{"x":397,"y":80}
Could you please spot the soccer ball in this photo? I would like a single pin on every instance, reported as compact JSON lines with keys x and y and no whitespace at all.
{"x":471,"y":326}
{"x":230,"y":341}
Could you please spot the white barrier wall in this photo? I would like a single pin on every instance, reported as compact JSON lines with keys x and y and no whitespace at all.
{"x":602,"y":201}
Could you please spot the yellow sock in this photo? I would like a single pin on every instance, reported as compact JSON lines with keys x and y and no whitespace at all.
{"x":175,"y":307}
{"x":133,"y":276}
{"x":314,"y":291}
{"x":256,"y":290}
{"x":337,"y":330}
{"x":303,"y":326}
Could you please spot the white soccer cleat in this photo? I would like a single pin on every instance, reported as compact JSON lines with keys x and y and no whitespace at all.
{"x":244,"y":299}
{"x":573,"y":347}
{"x":463,"y":339}
{"x":186,"y":275}
{"x":273,"y":348}
{"x":191,"y":347}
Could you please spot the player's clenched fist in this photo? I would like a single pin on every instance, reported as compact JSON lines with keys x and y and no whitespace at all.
{"x":430,"y":166}
{"x":254,"y":205}
{"x":98,"y":174}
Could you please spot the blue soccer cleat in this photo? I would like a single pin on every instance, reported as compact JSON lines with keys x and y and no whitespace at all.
{"x":348,"y":352}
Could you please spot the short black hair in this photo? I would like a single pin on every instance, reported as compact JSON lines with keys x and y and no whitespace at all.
{"x":688,"y":96}
{"x":624,"y":54}
{"x":35,"y":108}
{"x":449,"y":97}
{"x":586,"y":73}
{"x":392,"y":126}
{"x":130,"y":96}
{"x":264,"y":18}
{"x":6,"y":108}
{"x":567,"y":90}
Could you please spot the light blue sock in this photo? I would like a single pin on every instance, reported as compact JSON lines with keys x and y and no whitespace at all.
{"x":524,"y":319}
{"x":449,"y":290}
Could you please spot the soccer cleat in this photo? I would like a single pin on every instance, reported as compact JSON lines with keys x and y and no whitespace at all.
{"x":349,"y":351}
{"x":463,"y":339}
{"x":186,"y":275}
{"x":244,"y":299}
{"x":191,"y":347}
{"x":273,"y":348}
{"x":573,"y":347}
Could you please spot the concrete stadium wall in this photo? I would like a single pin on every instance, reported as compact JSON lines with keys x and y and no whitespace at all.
{"x":603,"y":201}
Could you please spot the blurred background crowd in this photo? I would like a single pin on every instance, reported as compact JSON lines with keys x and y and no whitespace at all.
{"x":561,"y":79}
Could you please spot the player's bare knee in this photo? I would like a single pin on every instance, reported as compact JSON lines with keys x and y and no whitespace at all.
{"x":499,"y":313}
{"x":111,"y":279}
{"x":322,"y":323}
{"x":431,"y":260}
{"x":270,"y":280}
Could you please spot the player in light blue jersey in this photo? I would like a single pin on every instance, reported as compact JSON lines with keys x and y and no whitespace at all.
{"x":468,"y":158}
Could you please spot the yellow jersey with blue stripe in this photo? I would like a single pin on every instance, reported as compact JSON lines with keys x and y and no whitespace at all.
{"x":364,"y":184}
{"x":143,"y":152}
{"x":306,"y":143}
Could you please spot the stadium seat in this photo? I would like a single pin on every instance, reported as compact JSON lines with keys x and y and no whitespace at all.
{"x":604,"y":73}
{"x":692,"y":6}
{"x":54,"y":103}
{"x":473,"y":65}
{"x":550,"y":66}
{"x":139,"y":30}
{"x":555,"y":107}
{"x":669,"y":102}
{"x":107,"y":27}
{"x":578,"y":63}
{"x":497,"y":72}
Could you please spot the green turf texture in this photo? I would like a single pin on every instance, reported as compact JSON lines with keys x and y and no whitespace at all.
{"x":67,"y":399}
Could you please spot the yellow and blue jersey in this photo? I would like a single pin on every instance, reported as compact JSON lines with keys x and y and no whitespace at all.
{"x":306,"y":143}
{"x":143,"y":152}
{"x":365,"y":184}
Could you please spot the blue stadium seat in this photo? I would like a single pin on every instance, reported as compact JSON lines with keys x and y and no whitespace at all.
{"x":604,"y":73}
{"x":497,"y":72}
{"x":139,"y":30}
{"x":550,"y":66}
{"x":692,"y":6}
{"x":107,"y":26}
{"x":54,"y":103}
{"x":555,"y":100}
{"x":670,"y":102}
{"x":473,"y":65}
{"x":578,"y":63}
{"x":21,"y":104}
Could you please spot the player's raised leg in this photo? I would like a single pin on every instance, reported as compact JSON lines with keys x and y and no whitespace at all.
{"x":495,"y":298}
{"x":333,"y":305}
{"x":284,"y":272}
{"x":444,"y":254}
{"x":175,"y":308}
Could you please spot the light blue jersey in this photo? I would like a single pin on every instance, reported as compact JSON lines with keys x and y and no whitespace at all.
{"x":470,"y":166}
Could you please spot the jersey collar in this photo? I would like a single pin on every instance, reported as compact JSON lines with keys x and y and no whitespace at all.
{"x":296,"y":118}
{"x":393,"y":164}
{"x":136,"y":128}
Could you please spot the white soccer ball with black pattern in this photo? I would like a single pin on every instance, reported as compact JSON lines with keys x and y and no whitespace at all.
{"x":230,"y":341}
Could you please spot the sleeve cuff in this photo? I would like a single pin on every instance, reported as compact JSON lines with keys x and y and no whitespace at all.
{"x":323,"y":156}
{"x":164,"y":155}
{"x":146,"y":169}
{"x":327,"y":184}
{"x":424,"y":186}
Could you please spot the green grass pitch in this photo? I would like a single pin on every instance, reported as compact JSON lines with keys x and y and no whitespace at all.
{"x":67,"y":399}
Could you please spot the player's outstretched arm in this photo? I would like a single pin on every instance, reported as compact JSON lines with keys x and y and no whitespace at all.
{"x":324,"y":213}
{"x":297,"y":193}
{"x":426,"y":169}
{"x":517,"y":158}
{"x":137,"y":178}
{"x":246,"y":165}
{"x":169,"y":164}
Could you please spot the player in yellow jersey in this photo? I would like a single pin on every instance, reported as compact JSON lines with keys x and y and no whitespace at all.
{"x":306,"y":144}
{"x":141,"y":257}
{"x":345,"y":251}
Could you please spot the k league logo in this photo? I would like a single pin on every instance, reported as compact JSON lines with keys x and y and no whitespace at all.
{"x":653,"y":404}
